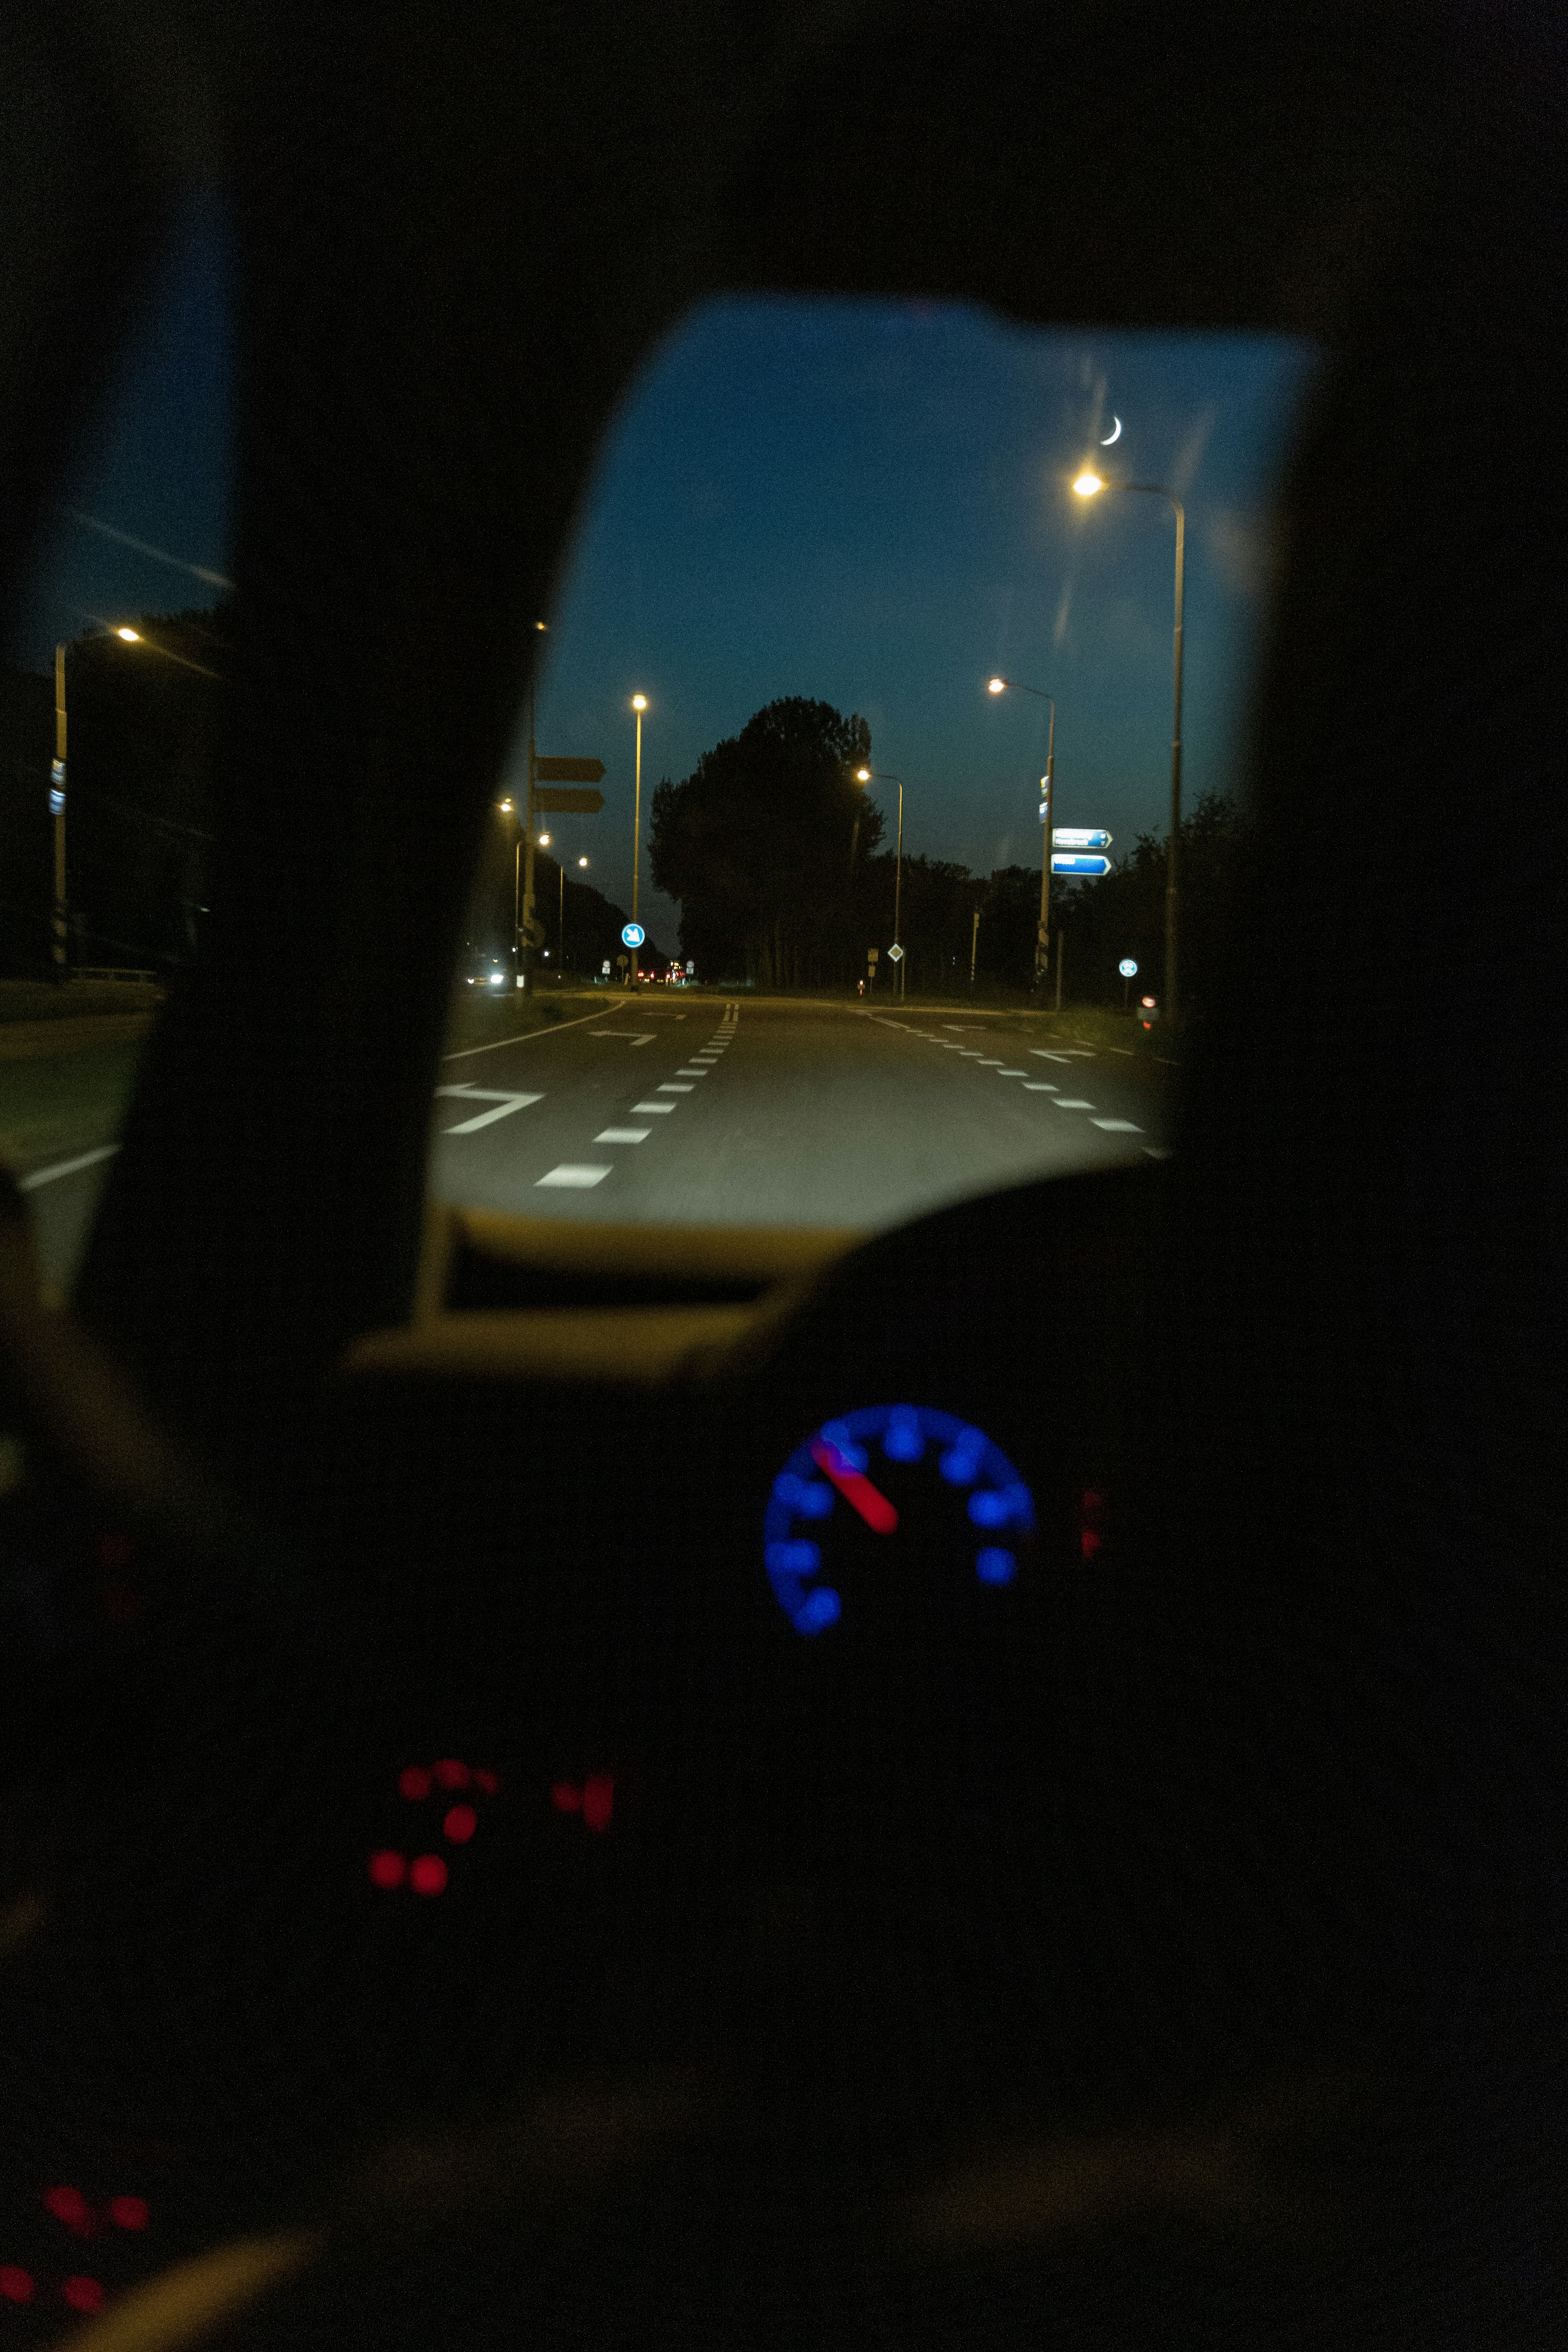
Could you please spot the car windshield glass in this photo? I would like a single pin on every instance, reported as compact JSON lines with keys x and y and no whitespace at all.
{"x":112,"y":704}
{"x":766,"y":928}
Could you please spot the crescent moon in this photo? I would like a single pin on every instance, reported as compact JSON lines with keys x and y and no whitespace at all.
{"x":1112,"y":437}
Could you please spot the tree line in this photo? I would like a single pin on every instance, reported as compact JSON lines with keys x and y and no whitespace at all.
{"x":778,"y":859}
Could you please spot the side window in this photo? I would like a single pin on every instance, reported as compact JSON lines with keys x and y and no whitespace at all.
{"x":111,"y":716}
{"x":829,"y":877}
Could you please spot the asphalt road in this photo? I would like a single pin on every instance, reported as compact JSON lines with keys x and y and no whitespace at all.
{"x":688,"y":1110}
{"x":756,"y":1111}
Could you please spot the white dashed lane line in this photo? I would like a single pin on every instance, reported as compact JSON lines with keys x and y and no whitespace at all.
{"x":1063,"y":1104}
{"x":574,"y":1176}
{"x":623,"y":1135}
{"x":642,"y":1110}
{"x":1038,"y":1087}
{"x":1012,"y":1074}
{"x":1117,"y":1126}
{"x":669,"y":1087}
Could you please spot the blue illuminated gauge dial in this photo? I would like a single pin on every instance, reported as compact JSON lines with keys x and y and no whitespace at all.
{"x":872,"y":1495}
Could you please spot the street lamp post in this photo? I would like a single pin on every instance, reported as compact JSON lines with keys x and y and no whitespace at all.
{"x":1087,"y":486}
{"x":640,"y":704}
{"x":561,"y":916}
{"x":1043,"y":939}
{"x":60,"y":928}
{"x":879,"y":775}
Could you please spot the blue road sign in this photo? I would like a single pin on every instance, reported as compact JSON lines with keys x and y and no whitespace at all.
{"x":633,"y":934}
{"x":1070,"y":863}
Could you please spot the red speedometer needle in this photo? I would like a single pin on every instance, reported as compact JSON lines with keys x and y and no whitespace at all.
{"x":856,"y":1490}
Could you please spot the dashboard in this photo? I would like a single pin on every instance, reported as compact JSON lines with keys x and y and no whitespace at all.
{"x":703,"y":1639}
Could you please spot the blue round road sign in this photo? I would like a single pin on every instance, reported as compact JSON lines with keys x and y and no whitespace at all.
{"x":634,"y":935}
{"x":1127,"y":967}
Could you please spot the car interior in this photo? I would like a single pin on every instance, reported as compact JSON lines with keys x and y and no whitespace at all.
{"x":1155,"y":1939}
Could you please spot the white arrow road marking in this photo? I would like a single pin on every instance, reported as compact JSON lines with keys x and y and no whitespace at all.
{"x":508,"y":1102}
{"x":638,"y":1037}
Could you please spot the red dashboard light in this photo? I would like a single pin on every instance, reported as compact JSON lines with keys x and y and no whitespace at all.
{"x":69,"y":2205}
{"x":414,"y":1782}
{"x":82,"y":2294}
{"x":387,"y":1869}
{"x":460,"y":1824}
{"x":16,"y":2283}
{"x":451,"y":1774}
{"x":428,"y":1874}
{"x":129,"y":2212}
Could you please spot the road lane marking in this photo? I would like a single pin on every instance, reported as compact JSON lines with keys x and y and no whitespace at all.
{"x":1156,"y":1151}
{"x":1117,"y":1126}
{"x":642,"y":1109}
{"x":66,"y":1167}
{"x":1063,"y":1104}
{"x":638,"y":1036}
{"x":1040,"y":1086}
{"x":991,"y":1063}
{"x":574,"y":1176}
{"x":509,"y":1103}
{"x":689,"y":1073}
{"x":1043,"y":1053}
{"x":667,"y":1088}
{"x":1012,"y":1074}
{"x":523,"y":1037}
{"x":623,"y":1135}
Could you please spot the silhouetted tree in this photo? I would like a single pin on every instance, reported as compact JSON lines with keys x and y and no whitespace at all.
{"x":766,"y":846}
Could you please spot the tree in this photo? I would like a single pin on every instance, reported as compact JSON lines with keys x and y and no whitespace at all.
{"x":766,"y":846}
{"x":1124,"y":914}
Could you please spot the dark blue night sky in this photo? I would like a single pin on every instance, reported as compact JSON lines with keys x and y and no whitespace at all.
{"x":866,"y":502}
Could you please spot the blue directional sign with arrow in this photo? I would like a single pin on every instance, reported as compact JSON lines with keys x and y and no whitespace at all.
{"x":1073,"y":862}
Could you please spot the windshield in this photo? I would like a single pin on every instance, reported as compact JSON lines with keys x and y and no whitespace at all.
{"x":831,"y":875}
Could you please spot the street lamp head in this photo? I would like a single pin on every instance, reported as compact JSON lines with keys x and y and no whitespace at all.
{"x":505,"y":806}
{"x":131,"y":636}
{"x":997,"y":685}
{"x":1087,"y":484}
{"x":581,"y":861}
{"x":544,"y":841}
{"x":862,"y":775}
{"x":639,"y":702}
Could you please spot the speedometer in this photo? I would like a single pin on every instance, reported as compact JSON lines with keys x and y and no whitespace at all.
{"x":895,"y":1491}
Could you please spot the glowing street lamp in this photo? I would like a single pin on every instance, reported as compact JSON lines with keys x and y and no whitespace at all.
{"x":1087,"y":486}
{"x":1042,"y":946}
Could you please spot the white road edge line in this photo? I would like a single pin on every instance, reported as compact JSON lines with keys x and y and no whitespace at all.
{"x":523,"y":1037}
{"x":66,"y":1167}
